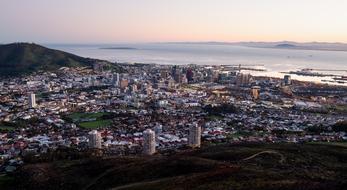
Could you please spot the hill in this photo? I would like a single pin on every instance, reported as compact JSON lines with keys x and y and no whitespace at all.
{"x":220,"y":167}
{"x":285,"y":46}
{"x":24,"y":58}
{"x":319,"y":46}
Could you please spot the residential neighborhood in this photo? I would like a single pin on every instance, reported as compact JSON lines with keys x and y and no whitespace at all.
{"x":156,"y":109}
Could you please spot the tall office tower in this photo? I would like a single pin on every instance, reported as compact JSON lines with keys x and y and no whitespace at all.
{"x":94,"y":139}
{"x":243,"y":79}
{"x":255,"y":92}
{"x":32,"y":100}
{"x":194,"y":139}
{"x":190,"y":75}
{"x":94,"y":81}
{"x":89,"y":81}
{"x":287,"y":80}
{"x":158,"y":129}
{"x":215,"y":75}
{"x":173,"y":71}
{"x":116,"y":80}
{"x":148,"y":142}
{"x":149,"y":90}
{"x":124,"y":83}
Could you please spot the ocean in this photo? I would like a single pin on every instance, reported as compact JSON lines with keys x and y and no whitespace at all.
{"x":274,"y":61}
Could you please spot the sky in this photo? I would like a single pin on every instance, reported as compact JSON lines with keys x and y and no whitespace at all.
{"x":114,"y":21}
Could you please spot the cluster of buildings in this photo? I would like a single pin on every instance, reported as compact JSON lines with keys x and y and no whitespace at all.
{"x":150,"y":140}
{"x":156,"y":108}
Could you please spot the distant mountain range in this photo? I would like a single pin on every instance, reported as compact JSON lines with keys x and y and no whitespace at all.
{"x":118,"y":48}
{"x":25,"y":58}
{"x":323,"y":46}
{"x":286,"y":46}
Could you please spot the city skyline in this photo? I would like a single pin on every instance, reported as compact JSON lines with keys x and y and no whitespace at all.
{"x":120,"y":21}
{"x":173,"y":94}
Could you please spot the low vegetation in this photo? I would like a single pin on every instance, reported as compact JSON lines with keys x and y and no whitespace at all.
{"x":340,"y":126}
{"x":90,"y":120}
{"x":6,"y":128}
{"x":239,"y":167}
{"x":6,"y":181}
{"x":96,"y":124}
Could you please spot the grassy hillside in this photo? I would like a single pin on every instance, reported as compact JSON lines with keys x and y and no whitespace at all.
{"x":24,"y":58}
{"x":224,"y":167}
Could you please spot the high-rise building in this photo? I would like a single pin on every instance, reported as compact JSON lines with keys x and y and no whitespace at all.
{"x":215,"y":75}
{"x":148,"y":142}
{"x":287,"y":80}
{"x":94,"y":139}
{"x":149,"y":90}
{"x":116,"y":80}
{"x":124,"y":83}
{"x":173,"y":71}
{"x":243,"y":79}
{"x":158,"y":129}
{"x":255,"y":92}
{"x":32,"y":100}
{"x":93,"y":81}
{"x":194,"y":139}
{"x":190,"y":75}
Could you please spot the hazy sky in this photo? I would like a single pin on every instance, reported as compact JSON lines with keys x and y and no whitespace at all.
{"x":109,"y":21}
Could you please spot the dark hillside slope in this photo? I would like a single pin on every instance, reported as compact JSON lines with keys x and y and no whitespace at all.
{"x":220,"y":167}
{"x":25,"y":58}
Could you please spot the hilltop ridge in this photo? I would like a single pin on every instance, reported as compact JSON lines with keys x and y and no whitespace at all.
{"x":25,"y":58}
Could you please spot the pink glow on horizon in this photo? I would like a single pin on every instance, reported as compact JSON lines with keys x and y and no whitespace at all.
{"x":107,"y":21}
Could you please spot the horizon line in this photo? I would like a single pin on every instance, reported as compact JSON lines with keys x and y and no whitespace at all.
{"x":173,"y":42}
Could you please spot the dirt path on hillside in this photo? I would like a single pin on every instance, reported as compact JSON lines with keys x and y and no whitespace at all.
{"x":267,"y":152}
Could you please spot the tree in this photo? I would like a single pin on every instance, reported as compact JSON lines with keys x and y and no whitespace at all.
{"x":340,"y":126}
